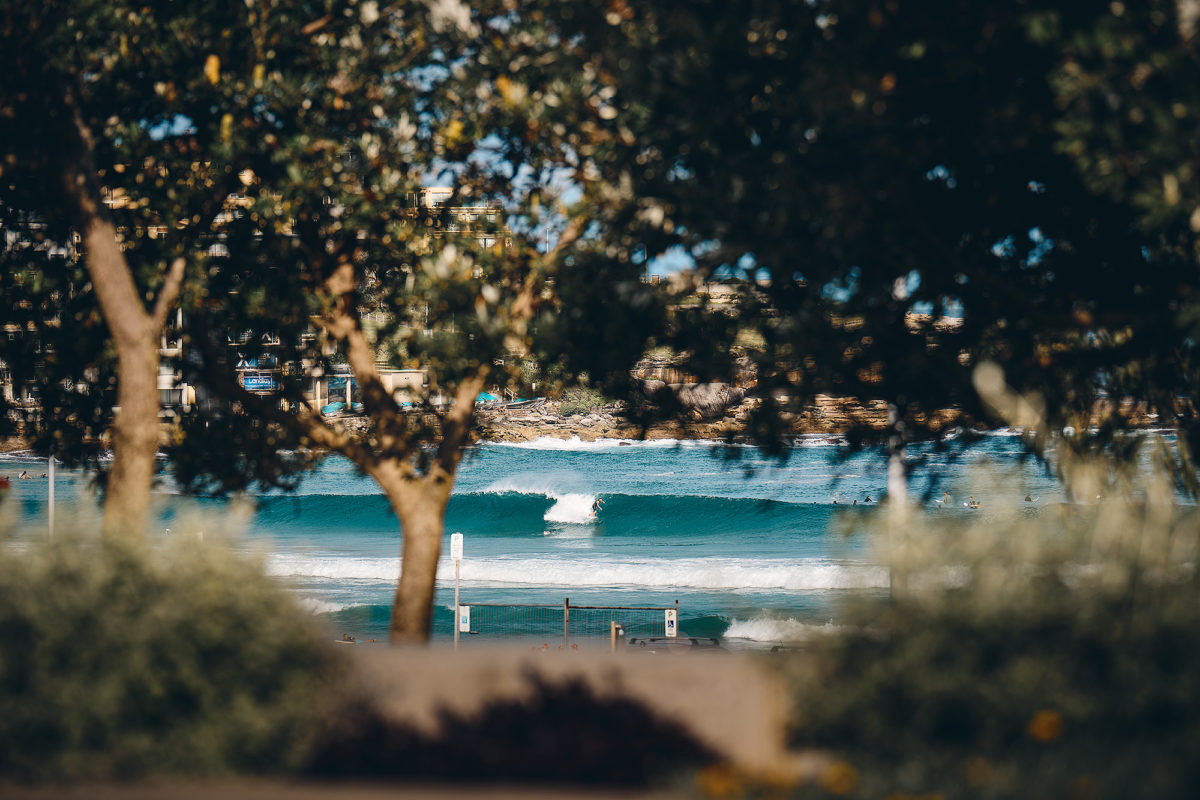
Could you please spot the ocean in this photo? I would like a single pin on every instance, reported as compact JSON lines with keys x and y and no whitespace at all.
{"x":751,"y":549}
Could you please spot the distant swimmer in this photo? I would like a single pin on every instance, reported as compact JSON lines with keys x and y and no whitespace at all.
{"x":25,"y":476}
{"x":973,"y":503}
{"x":1028,"y":497}
{"x":597,"y":504}
{"x":868,"y":499}
{"x":947,"y":499}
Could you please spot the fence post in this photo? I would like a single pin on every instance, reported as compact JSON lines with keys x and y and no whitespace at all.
{"x":566,"y":622}
{"x":616,"y":634}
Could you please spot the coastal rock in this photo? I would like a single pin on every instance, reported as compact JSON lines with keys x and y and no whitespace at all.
{"x":708,"y":400}
{"x":697,"y":401}
{"x":653,"y":388}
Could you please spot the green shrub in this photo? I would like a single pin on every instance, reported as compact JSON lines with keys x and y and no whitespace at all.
{"x":581,"y":400}
{"x":120,"y":659}
{"x":1048,"y":653}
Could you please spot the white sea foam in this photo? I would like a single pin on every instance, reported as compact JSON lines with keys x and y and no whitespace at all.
{"x":569,"y":506}
{"x":820,"y":440}
{"x":574,"y":508}
{"x":729,"y":574}
{"x":576,"y":444}
{"x":314,"y":605}
{"x":361,"y":569}
{"x":763,"y":628}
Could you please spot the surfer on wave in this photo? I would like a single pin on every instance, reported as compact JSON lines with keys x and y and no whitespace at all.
{"x":596,"y":505}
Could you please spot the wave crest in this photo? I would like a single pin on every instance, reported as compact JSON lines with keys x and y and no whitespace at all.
{"x":774,"y":629}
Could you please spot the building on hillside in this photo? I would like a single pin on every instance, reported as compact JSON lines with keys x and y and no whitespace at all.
{"x":483,"y":222}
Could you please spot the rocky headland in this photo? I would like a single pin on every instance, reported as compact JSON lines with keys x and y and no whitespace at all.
{"x":704,"y":411}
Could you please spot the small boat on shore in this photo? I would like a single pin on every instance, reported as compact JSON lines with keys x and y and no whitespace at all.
{"x":522,"y":404}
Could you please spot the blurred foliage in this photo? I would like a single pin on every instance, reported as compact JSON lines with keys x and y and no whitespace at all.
{"x":119,"y":660}
{"x":1023,"y":652}
{"x":562,"y":733}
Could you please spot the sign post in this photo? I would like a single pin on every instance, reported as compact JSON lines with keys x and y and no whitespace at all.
{"x":672,"y":622}
{"x":456,"y":553}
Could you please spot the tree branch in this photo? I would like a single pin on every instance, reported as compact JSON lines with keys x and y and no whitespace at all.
{"x":306,"y":422}
{"x":456,"y":423}
{"x":341,"y":322}
{"x":105,"y":262}
{"x":168,"y":294}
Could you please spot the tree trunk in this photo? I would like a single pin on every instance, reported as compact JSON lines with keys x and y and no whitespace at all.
{"x":135,"y":334}
{"x":134,"y":439}
{"x":422,"y":514}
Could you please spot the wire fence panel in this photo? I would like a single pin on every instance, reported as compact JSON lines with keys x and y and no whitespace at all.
{"x":559,"y":626}
{"x":494,"y":623}
{"x":596,"y":622}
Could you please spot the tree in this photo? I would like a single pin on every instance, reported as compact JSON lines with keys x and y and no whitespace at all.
{"x":334,"y":208}
{"x":895,"y":182}
{"x":52,"y":107}
{"x":1130,"y":111}
{"x":275,"y":155}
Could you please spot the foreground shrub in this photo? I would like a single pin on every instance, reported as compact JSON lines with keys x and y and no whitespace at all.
{"x":119,"y":659}
{"x":1053,"y":653}
{"x":562,"y":734}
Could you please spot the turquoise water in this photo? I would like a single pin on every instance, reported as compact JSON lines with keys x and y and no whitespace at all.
{"x":747,"y":547}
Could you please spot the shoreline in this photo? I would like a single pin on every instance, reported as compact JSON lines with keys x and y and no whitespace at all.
{"x":501,"y":426}
{"x":829,"y":416}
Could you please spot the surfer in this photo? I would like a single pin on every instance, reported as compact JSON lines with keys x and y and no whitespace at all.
{"x":25,"y":476}
{"x":1029,"y":497}
{"x":596,"y":505}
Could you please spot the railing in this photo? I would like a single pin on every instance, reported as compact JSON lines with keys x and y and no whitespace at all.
{"x":576,"y":624}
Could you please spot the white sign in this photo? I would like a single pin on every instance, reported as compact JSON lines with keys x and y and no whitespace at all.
{"x":671,"y":620}
{"x":456,"y":540}
{"x":464,"y":619}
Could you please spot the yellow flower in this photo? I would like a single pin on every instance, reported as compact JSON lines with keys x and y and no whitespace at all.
{"x":1046,"y":726}
{"x":453,"y":133}
{"x":212,"y":69}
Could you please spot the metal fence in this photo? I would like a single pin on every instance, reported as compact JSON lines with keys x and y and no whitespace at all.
{"x":555,"y":625}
